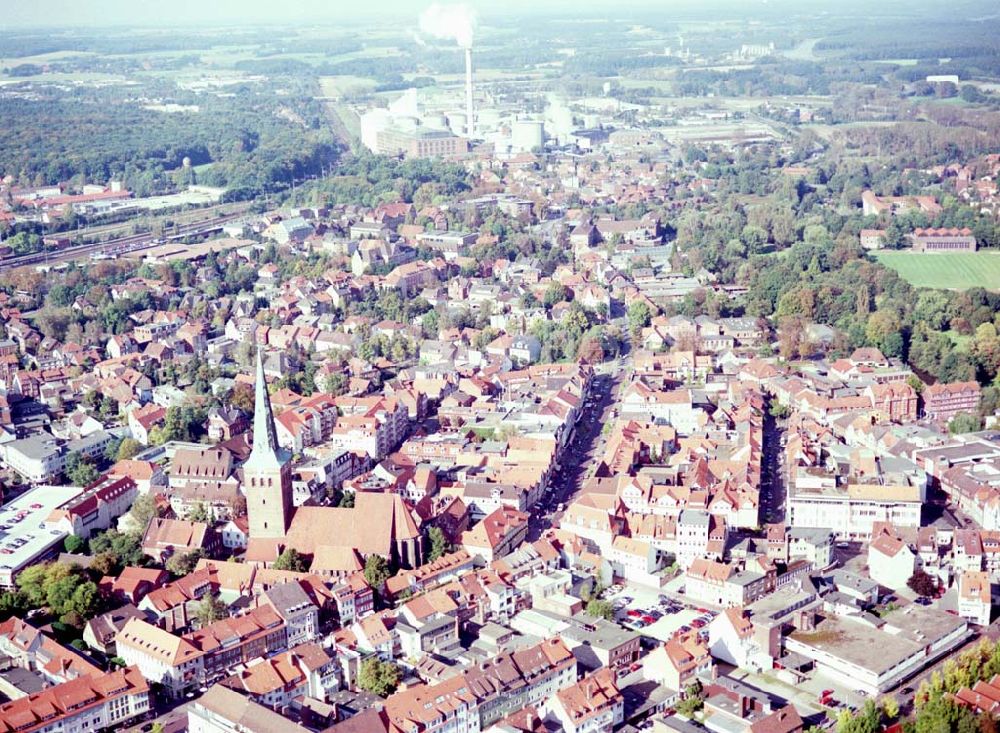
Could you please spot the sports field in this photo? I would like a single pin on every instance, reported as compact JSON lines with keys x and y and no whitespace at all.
{"x":958,"y":271}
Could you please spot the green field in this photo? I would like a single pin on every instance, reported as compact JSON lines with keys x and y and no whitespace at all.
{"x":958,"y":271}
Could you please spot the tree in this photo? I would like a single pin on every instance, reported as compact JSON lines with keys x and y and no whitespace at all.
{"x":242,"y":396}
{"x":291,"y":559}
{"x":964,"y":422}
{"x":377,"y":571}
{"x":555,"y":293}
{"x":182,"y":563}
{"x":601,"y":609}
{"x":211,"y":609}
{"x":125,"y":548}
{"x":922,"y":584}
{"x":867,"y":720}
{"x":438,"y":542}
{"x":200,"y":513}
{"x":378,"y":677}
{"x":693,"y":700}
{"x":129,"y":448}
{"x":638,"y":316}
{"x":890,"y":707}
{"x":79,"y":471}
{"x":144,"y":508}
{"x":779,"y":410}
{"x":74,"y":544}
{"x":86,"y":601}
{"x":31,"y":582}
{"x":13,"y":603}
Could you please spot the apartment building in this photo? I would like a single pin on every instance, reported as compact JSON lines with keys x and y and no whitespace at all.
{"x":974,"y":597}
{"x":161,"y":657}
{"x":303,"y":671}
{"x":592,"y":705}
{"x":82,"y":705}
{"x":486,"y":693}
{"x":238,"y":640}
{"x":96,"y":509}
{"x":944,"y":401}
{"x":716,"y":583}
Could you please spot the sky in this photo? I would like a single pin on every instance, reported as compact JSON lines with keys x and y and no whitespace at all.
{"x":187,"y":12}
{"x":68,"y":13}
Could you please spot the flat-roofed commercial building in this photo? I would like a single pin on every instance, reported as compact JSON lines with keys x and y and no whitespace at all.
{"x":420,"y":143}
{"x":872,"y":654}
{"x":850,"y":511}
{"x":25,"y":537}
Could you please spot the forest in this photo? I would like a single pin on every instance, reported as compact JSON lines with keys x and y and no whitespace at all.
{"x":94,"y":135}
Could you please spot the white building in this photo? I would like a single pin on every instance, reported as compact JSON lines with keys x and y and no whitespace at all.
{"x":851,"y":511}
{"x":907,"y":640}
{"x":634,"y":560}
{"x":673,"y":408}
{"x":812,"y":544}
{"x":731,"y":638}
{"x":890,"y":560}
{"x":162,"y":657}
{"x":42,"y":457}
{"x":24,"y":537}
{"x":974,"y":597}
{"x":693,"y":526}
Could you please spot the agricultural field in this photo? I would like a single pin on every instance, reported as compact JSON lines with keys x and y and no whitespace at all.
{"x":958,"y":271}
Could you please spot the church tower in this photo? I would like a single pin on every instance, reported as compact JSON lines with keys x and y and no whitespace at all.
{"x":267,"y":474}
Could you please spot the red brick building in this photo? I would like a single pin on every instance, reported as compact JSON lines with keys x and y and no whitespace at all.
{"x":893,"y":402}
{"x":944,"y":401}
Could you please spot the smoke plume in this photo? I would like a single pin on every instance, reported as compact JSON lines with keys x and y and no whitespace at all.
{"x":456,"y":22}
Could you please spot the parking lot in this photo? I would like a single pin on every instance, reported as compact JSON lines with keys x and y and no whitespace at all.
{"x":652,"y":614}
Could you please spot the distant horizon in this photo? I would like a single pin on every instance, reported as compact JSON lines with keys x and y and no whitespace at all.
{"x":97,"y":14}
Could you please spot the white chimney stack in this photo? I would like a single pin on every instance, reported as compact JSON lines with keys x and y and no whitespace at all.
{"x":470,"y":127}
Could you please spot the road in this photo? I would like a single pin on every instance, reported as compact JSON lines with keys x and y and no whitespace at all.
{"x":773,"y":479}
{"x":584,"y":449}
{"x":912,"y":685}
{"x":172,"y":715}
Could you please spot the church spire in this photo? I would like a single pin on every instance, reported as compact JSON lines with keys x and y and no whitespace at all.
{"x":267,"y":473}
{"x":265,"y":439}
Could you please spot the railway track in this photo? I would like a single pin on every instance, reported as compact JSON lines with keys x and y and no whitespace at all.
{"x":119,"y":246}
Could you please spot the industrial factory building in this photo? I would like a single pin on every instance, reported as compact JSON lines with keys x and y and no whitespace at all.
{"x":416,"y":141}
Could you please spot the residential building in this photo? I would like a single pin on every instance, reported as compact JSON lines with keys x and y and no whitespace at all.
{"x":944,"y":401}
{"x":592,"y":705}
{"x":974,"y":597}
{"x":891,"y":562}
{"x":82,"y":705}
{"x":223,"y":710}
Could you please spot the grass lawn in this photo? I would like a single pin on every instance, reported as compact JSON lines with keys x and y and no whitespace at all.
{"x":337,"y":86}
{"x":959,"y":340}
{"x":958,"y":271}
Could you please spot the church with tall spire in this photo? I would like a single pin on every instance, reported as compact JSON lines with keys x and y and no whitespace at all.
{"x":267,"y":473}
{"x":332,"y":538}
